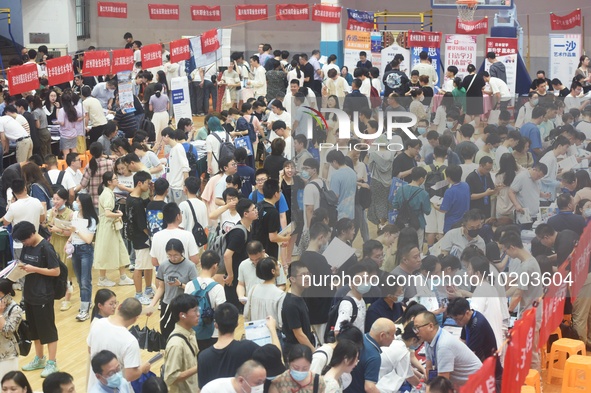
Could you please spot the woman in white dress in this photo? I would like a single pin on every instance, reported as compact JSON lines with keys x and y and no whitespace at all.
{"x":231,"y":79}
{"x":344,"y":359}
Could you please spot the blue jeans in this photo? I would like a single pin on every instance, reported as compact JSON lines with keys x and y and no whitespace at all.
{"x":82,"y":259}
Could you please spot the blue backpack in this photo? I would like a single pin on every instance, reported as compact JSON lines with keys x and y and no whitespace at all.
{"x":204,"y":329}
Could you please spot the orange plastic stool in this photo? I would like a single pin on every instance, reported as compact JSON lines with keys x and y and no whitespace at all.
{"x":558,"y":356}
{"x":544,"y":356}
{"x":527,"y":389}
{"x":83,"y":160}
{"x":61,"y":165}
{"x":575,"y":366}
{"x":533,"y":380}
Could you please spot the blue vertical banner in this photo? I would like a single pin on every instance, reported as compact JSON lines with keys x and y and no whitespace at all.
{"x":434,"y":54}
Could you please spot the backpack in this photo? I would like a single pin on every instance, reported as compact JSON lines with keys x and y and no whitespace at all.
{"x":60,"y":283}
{"x":219,"y":245}
{"x":436,"y":175}
{"x":374,"y":97}
{"x":197,"y":231}
{"x":333,"y":316}
{"x":188,"y":344}
{"x":406,"y":217}
{"x":242,"y":125}
{"x":149,"y":128}
{"x":227,"y":148}
{"x":328,"y":201}
{"x":204,"y":329}
{"x":193,"y":159}
{"x":22,"y":335}
{"x":255,"y":228}
{"x":58,"y":184}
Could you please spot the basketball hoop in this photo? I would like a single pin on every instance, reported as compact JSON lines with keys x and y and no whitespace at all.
{"x":466,"y":9}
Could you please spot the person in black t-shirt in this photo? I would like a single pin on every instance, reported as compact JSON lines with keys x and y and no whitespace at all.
{"x":562,"y":242}
{"x":137,"y":232}
{"x":405,"y":161}
{"x":41,"y":263}
{"x":154,"y":208}
{"x":308,"y":70}
{"x":295,"y":313}
{"x":269,"y":222}
{"x":223,"y":359}
{"x":482,"y":186}
{"x":236,"y":248}
{"x":274,"y":162}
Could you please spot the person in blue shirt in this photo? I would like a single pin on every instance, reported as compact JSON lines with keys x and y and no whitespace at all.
{"x":261,"y":176}
{"x":566,"y":218}
{"x":532,"y":132}
{"x":366,"y":374}
{"x":389,"y":306}
{"x":456,"y":200}
{"x":245,"y":172}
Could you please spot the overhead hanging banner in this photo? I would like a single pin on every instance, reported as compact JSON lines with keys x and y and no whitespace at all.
{"x":292,"y":12}
{"x":107,"y":9}
{"x":565,"y":51}
{"x":252,"y":12}
{"x":355,"y":42}
{"x":23,"y":78}
{"x":472,"y":27}
{"x":326,"y":13}
{"x":60,"y":70}
{"x":164,"y":11}
{"x":565,"y":22}
{"x":206,"y":59}
{"x":359,"y":20}
{"x":209,"y":41}
{"x":460,"y":50}
{"x":206,"y":12}
{"x":424,"y":39}
{"x":519,"y":352}
{"x":151,"y":56}
{"x":506,"y":50}
{"x":96,"y":63}
{"x":482,"y":380}
{"x":122,"y":60}
{"x":180,"y":50}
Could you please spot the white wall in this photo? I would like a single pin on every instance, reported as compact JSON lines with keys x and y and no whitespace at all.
{"x":56,"y":17}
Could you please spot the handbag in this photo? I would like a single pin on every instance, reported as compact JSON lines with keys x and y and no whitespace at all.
{"x":117,"y":224}
{"x":363,"y":197}
{"x":245,"y":142}
{"x":148,"y":339}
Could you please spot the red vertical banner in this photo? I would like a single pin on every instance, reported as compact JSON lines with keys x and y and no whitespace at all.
{"x":252,"y":12}
{"x":292,"y":12}
{"x":565,"y":22}
{"x":122,"y":60}
{"x":205,"y":12}
{"x":519,"y":352}
{"x":553,"y":305}
{"x":209,"y":41}
{"x":151,"y":56}
{"x":107,"y":9}
{"x":60,"y":70}
{"x":482,"y":380}
{"x":23,"y":78}
{"x":164,"y":11}
{"x":179,"y":50}
{"x":96,"y":62}
{"x":326,"y":13}
{"x":424,"y":39}
{"x":580,"y":263}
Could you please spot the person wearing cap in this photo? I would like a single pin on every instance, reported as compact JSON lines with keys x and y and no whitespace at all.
{"x":271,"y":358}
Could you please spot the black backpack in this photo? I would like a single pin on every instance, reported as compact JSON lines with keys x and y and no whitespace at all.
{"x":406,"y":217}
{"x":256,"y":226}
{"x":58,"y":184}
{"x":149,"y":128}
{"x":22,"y":335}
{"x":333,"y":316}
{"x":433,"y":177}
{"x":60,"y":283}
{"x":197,"y":231}
{"x":227,"y":148}
{"x":328,"y":201}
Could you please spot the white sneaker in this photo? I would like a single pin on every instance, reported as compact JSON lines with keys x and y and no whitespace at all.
{"x":143,"y":300}
{"x":82,"y":316}
{"x":124,"y":280}
{"x":105,"y":282}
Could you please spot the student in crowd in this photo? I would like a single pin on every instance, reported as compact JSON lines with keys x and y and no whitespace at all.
{"x":265,"y":299}
{"x":105,"y":304}
{"x":178,"y":166}
{"x":298,"y":377}
{"x":251,"y":374}
{"x":106,"y":369}
{"x":154,"y":208}
{"x":456,"y":200}
{"x":59,"y":382}
{"x":193,"y":210}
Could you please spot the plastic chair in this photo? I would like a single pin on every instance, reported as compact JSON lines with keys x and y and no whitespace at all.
{"x":557,"y":332}
{"x":576,"y":366}
{"x":83,"y":160}
{"x":558,"y":356}
{"x":61,"y":165}
{"x":527,"y":389}
{"x":533,"y":380}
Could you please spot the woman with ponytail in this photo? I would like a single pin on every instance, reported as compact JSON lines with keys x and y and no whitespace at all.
{"x":93,"y":173}
{"x":70,"y":118}
{"x":295,"y":73}
{"x":159,"y":105}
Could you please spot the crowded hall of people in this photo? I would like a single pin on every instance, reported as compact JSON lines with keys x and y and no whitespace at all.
{"x":357,"y":197}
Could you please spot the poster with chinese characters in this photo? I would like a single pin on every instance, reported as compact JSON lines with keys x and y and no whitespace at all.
{"x":460,"y":50}
{"x":355,"y":42}
{"x":125,"y":88}
{"x":434,"y":55}
{"x":181,"y":104}
{"x":506,"y":51}
{"x":388,"y":53}
{"x":565,"y":50}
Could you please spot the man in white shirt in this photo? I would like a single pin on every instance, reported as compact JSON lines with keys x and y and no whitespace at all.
{"x":336,"y":85}
{"x":199,"y":211}
{"x":292,"y":90}
{"x":105,"y":92}
{"x":74,"y":165}
{"x":426,"y":68}
{"x":12,"y":111}
{"x":574,"y":99}
{"x":178,"y":166}
{"x":247,"y":277}
{"x":171,"y":216}
{"x":280,"y":129}
{"x":136,"y":46}
{"x":259,"y":83}
{"x":212,"y":147}
{"x":94,"y":115}
{"x":12,"y":131}
{"x":499,"y":90}
{"x":53,"y":175}
{"x":203,"y":88}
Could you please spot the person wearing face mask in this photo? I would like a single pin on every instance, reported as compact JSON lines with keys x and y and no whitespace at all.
{"x":456,"y":240}
{"x":250,"y":378}
{"x":482,"y":187}
{"x":525,"y":112}
{"x":584,"y":209}
{"x":389,"y":306}
{"x":107,"y":370}
{"x":298,"y":378}
{"x":360,"y":285}
{"x":422,"y":128}
{"x":440,"y":120}
{"x":416,"y":106}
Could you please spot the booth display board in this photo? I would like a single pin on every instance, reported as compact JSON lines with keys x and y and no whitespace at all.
{"x":506,"y":51}
{"x":460,"y":50}
{"x":387,"y":55}
{"x":565,"y":51}
{"x":355,"y":42}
